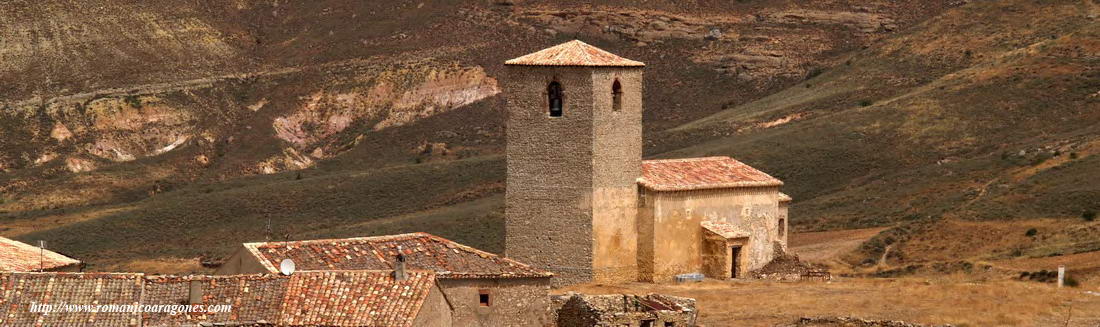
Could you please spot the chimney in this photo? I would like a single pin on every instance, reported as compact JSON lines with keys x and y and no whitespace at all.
{"x":194,"y":293}
{"x":399,"y":266}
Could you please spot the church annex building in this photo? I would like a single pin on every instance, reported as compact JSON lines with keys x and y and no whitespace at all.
{"x":582,"y":203}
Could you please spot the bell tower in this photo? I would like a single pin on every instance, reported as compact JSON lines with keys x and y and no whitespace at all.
{"x":574,"y":126}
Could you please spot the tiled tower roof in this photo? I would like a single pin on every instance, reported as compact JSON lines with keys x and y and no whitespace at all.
{"x":573,"y":53}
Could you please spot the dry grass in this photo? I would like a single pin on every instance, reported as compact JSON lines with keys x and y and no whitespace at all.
{"x":823,"y":247}
{"x":959,"y":300}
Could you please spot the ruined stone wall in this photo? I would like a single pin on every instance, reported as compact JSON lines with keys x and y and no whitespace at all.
{"x":678,"y":239}
{"x":619,"y":310}
{"x":570,"y":186}
{"x":617,"y":163}
{"x":513,"y":301}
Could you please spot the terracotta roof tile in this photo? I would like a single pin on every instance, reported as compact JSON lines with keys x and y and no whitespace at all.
{"x":724,"y":229}
{"x":783,"y":197}
{"x":422,"y":251}
{"x":312,"y":298}
{"x":19,"y":290}
{"x":573,"y":53}
{"x":355,"y":298}
{"x":700,"y":174}
{"x":254,"y":298}
{"x":19,"y":256}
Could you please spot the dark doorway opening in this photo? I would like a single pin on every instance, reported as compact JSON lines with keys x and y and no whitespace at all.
{"x":735,"y":260}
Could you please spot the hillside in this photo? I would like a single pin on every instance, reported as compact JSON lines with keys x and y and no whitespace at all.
{"x":141,"y":135}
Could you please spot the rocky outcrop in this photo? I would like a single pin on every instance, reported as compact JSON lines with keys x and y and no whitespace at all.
{"x":395,"y":98}
{"x":866,"y":22}
{"x":638,"y":26}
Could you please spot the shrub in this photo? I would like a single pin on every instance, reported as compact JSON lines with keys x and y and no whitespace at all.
{"x":1089,"y":215}
{"x":865,"y":103}
{"x":814,"y":73}
{"x":1073,"y":155}
{"x":1031,"y":232}
{"x":133,"y":101}
{"x":1071,"y":282}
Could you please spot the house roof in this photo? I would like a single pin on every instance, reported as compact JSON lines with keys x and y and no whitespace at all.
{"x":255,"y":299}
{"x":355,"y":298}
{"x":422,"y":251}
{"x":724,"y":229}
{"x":783,"y":197}
{"x":573,"y":53}
{"x":701,"y":173}
{"x":310,"y":298}
{"x":19,"y":256}
{"x":18,"y":290}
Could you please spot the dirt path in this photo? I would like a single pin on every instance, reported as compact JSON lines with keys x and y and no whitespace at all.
{"x":823,"y":247}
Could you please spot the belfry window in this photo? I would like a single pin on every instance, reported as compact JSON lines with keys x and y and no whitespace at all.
{"x":553,"y":91}
{"x":616,"y":96}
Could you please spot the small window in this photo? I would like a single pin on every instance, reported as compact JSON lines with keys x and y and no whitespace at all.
{"x":670,"y":324}
{"x":616,"y":96}
{"x":782,"y":227}
{"x":647,"y":323}
{"x":554,"y":92}
{"x":483,"y":298}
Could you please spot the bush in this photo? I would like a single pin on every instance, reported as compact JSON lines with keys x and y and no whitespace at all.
{"x":1031,"y":232}
{"x":1073,"y":155}
{"x":814,"y":73}
{"x":1089,"y":215}
{"x":133,"y":101}
{"x":1071,"y":282}
{"x":866,"y":103}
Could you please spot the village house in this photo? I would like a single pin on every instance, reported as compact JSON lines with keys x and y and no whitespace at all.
{"x":581,"y":202}
{"x":19,"y":256}
{"x":480,"y":288}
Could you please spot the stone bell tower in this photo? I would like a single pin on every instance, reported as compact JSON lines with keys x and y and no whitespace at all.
{"x":574,"y":155}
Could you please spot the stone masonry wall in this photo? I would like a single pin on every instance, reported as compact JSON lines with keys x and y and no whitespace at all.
{"x":548,"y":202}
{"x":513,"y":301}
{"x":558,"y":208}
{"x":617,"y":164}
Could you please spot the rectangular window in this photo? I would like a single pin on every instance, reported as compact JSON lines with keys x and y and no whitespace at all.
{"x":647,"y":323}
{"x":782,"y":227}
{"x":483,"y":298}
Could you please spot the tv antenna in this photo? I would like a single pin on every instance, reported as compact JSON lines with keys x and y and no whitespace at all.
{"x":41,"y":255}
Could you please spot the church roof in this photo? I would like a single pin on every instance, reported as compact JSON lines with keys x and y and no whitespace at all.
{"x":19,"y":256}
{"x":447,"y":258}
{"x":573,"y":53}
{"x":701,"y":174}
{"x":783,"y":197}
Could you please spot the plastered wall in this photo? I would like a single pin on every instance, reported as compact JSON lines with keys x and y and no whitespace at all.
{"x":677,"y":243}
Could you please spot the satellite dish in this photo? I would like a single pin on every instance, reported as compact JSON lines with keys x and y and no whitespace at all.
{"x":286,"y":267}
